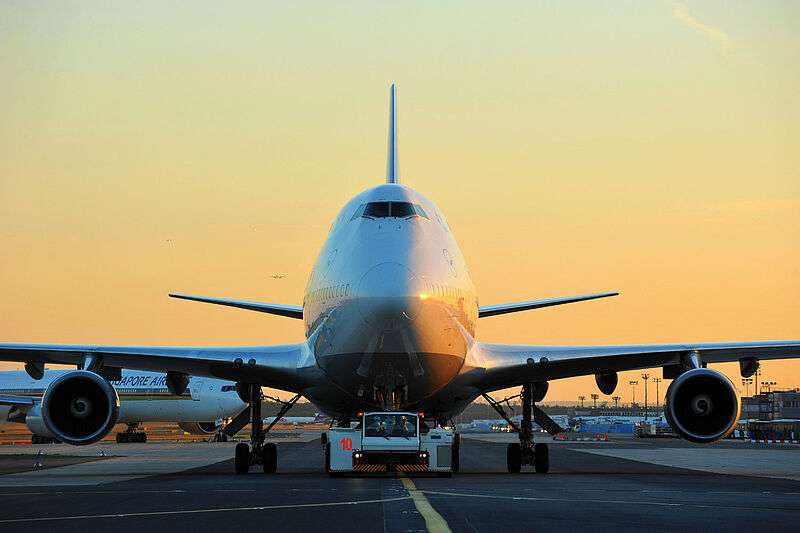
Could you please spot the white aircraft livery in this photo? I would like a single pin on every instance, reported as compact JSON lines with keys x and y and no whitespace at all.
{"x":143,"y":397}
{"x":390,"y":314}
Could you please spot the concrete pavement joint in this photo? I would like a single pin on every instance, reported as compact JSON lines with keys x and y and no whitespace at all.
{"x":199,"y":511}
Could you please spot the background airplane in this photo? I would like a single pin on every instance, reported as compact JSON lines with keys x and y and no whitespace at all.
{"x":143,"y":397}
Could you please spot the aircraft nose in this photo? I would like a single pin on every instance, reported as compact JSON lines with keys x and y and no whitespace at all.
{"x":389,"y":296}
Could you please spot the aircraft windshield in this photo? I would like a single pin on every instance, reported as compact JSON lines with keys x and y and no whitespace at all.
{"x":389,"y":209}
{"x":390,"y":425}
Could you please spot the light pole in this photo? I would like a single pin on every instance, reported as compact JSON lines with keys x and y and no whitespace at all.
{"x":758,"y":373}
{"x":581,"y":398}
{"x":645,"y":377}
{"x":746,"y":382}
{"x":658,"y":398}
{"x":633,"y":384}
{"x":594,"y":399}
{"x":768,"y":385}
{"x":616,"y":401}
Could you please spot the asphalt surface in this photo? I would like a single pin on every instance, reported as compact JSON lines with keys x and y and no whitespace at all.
{"x":587,"y":489}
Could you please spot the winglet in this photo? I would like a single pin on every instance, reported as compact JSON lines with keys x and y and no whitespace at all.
{"x":392,"y":165}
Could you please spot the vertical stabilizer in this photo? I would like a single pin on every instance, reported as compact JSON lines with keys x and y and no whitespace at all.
{"x":392,"y":165}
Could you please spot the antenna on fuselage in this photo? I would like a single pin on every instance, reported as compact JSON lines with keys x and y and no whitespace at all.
{"x":392,"y":165}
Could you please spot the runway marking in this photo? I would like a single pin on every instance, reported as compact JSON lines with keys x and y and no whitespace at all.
{"x":622,"y":502}
{"x":201,"y":511}
{"x":433,"y":520}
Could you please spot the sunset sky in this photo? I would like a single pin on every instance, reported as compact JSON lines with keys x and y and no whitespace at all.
{"x":650,"y":147}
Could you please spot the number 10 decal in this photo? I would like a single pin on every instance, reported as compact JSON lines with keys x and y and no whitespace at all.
{"x":347,"y":444}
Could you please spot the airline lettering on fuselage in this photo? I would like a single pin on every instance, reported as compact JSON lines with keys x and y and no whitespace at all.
{"x":141,"y":381}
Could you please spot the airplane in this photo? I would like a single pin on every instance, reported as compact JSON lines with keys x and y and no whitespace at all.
{"x":390,"y":313}
{"x":143,"y":397}
{"x":319,"y":418}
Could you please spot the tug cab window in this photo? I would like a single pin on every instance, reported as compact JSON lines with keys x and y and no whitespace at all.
{"x":389,"y":209}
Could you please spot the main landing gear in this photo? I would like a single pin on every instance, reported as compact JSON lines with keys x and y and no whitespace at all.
{"x":39,"y":439}
{"x":258,"y":452}
{"x":525,"y":452}
{"x":131,"y":435}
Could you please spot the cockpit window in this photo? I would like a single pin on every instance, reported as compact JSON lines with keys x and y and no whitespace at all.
{"x":402,"y":209}
{"x":389,"y":209}
{"x":377,"y":210}
{"x":359,"y":212}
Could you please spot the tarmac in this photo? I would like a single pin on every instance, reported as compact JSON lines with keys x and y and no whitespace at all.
{"x":632,"y":484}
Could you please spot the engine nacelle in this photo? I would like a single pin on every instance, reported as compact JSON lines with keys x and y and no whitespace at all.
{"x":78,"y":408}
{"x":702,"y":405}
{"x":34,"y":421}
{"x":200,"y":428}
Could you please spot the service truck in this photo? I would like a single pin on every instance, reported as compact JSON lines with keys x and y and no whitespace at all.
{"x":391,"y":442}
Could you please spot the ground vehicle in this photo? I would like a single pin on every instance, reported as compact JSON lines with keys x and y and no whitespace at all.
{"x":391,"y":442}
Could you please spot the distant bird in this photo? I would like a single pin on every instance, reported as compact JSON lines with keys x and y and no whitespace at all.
{"x":278,"y":276}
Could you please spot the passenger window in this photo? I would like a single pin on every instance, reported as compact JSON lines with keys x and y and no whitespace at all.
{"x":377,"y":210}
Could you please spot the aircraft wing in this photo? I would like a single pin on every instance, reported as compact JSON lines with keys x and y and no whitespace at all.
{"x":289,"y":367}
{"x":291,"y":311}
{"x":17,"y":401}
{"x":501,"y":309}
{"x":497,"y":366}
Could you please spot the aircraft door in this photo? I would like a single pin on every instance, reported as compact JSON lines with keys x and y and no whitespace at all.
{"x":196,"y":387}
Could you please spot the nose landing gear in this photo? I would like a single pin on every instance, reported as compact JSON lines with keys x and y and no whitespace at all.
{"x":525,"y":452}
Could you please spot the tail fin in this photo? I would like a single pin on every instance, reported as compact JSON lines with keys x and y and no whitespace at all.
{"x":392,"y":165}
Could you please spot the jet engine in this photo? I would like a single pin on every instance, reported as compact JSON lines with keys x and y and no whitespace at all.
{"x":702,"y":405}
{"x":200,"y":428}
{"x":78,"y":408}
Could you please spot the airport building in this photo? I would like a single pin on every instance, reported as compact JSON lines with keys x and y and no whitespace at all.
{"x":772,"y":405}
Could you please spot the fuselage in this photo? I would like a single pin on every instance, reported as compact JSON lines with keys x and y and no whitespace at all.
{"x":144,"y":396}
{"x":390,"y":308}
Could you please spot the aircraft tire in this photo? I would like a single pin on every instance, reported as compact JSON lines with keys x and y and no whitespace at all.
{"x":142,"y":437}
{"x":541,"y":458}
{"x":242,"y":458}
{"x":270,"y":458}
{"x":514,"y":457}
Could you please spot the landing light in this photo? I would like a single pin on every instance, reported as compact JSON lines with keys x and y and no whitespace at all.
{"x":423,"y":296}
